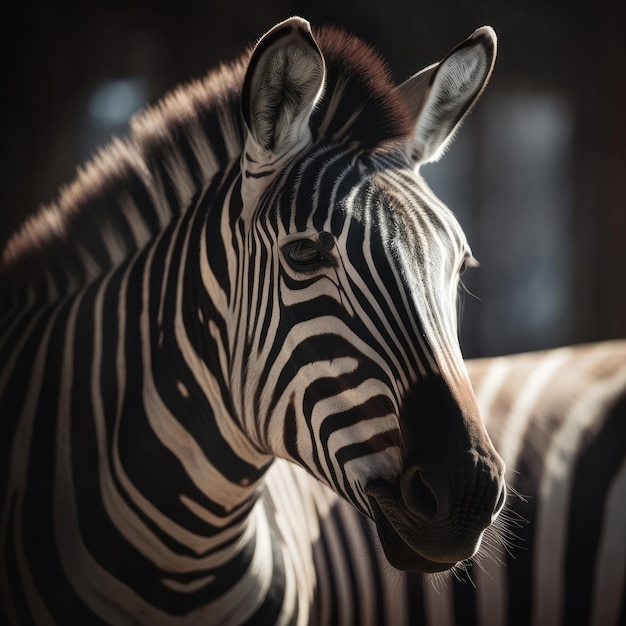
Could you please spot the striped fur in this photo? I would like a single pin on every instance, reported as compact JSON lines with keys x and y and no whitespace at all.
{"x":256,"y":276}
{"x":559,"y":418}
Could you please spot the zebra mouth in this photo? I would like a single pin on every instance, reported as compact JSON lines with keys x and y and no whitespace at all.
{"x":399,"y":533}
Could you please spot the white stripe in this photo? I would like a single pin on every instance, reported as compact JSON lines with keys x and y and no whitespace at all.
{"x":253,"y":586}
{"x":521,"y":412}
{"x":439,"y":603}
{"x":293,"y":516}
{"x":491,"y":579}
{"x":488,"y":389}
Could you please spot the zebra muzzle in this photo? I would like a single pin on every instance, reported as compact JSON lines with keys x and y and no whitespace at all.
{"x":427,"y":524}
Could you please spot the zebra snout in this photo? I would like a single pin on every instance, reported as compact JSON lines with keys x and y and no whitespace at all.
{"x":436,"y":514}
{"x":431,"y":494}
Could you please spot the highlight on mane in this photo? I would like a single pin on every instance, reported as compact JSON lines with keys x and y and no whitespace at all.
{"x":112,"y":169}
{"x":176,"y":146}
{"x":199,"y":120}
{"x":188,"y":118}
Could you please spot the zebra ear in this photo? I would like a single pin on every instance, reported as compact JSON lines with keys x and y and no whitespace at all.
{"x":441,"y":95}
{"x":284,"y":80}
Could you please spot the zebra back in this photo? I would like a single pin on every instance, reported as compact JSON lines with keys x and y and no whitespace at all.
{"x":559,"y":419}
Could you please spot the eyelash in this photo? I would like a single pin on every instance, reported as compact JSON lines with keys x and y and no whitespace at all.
{"x":306,"y":255}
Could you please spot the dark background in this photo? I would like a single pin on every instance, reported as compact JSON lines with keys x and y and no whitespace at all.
{"x":536,"y":175}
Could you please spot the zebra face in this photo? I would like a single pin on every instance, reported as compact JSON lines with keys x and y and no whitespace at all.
{"x":350,"y":363}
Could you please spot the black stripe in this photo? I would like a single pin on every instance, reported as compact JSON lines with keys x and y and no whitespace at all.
{"x":214,"y":136}
{"x":325,"y":592}
{"x":597,"y":466}
{"x":215,"y":196}
{"x":373,"y":547}
{"x":249,"y":174}
{"x":464,"y":595}
{"x":527,"y":480}
{"x":14,"y":578}
{"x":416,"y":599}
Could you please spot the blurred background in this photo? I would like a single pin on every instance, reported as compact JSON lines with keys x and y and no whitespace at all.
{"x":536,"y":176}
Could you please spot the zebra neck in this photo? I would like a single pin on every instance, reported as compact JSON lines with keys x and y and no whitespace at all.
{"x":182,"y":331}
{"x":149,"y":405}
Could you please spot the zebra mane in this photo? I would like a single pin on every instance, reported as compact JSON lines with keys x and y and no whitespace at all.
{"x":360,"y":103}
{"x":130,"y":190}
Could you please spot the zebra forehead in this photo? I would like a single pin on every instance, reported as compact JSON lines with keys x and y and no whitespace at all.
{"x":408,"y":203}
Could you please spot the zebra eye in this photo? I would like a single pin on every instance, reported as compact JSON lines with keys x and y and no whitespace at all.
{"x":304,"y":254}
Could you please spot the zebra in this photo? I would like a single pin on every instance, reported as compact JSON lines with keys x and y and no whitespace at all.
{"x":233,"y":327}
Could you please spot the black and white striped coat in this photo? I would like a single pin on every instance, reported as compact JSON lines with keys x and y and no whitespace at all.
{"x":559,"y":418}
{"x":257,"y":276}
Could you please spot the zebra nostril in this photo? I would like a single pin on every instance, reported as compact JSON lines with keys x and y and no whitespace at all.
{"x":418,"y":497}
{"x":500,"y":503}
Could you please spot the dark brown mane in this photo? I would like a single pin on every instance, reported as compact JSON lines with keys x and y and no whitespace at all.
{"x":357,"y":77}
{"x":177,"y":146}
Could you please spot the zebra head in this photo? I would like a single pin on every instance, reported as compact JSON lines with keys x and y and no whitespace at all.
{"x":345,"y":357}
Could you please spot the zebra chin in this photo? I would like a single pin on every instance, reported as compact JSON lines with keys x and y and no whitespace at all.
{"x":413,"y":544}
